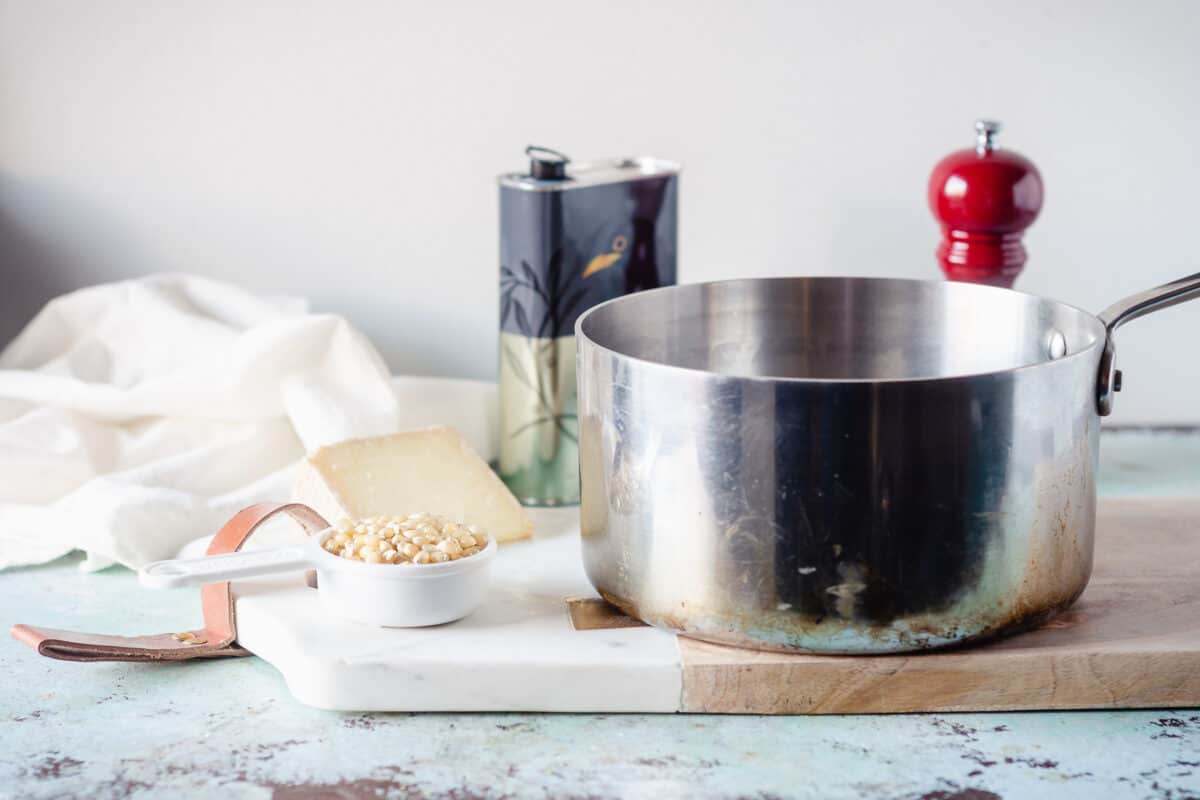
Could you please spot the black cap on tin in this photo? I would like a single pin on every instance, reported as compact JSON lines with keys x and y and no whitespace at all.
{"x":546,"y":164}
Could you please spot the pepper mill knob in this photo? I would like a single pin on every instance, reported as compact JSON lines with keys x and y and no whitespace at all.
{"x":984,"y":199}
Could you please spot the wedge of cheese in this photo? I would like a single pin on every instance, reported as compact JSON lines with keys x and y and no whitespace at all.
{"x":432,"y":470}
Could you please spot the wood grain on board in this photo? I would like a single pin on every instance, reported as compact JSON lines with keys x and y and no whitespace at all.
{"x":1132,"y":640}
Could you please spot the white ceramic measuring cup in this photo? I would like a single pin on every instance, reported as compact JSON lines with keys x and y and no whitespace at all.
{"x":388,"y":595}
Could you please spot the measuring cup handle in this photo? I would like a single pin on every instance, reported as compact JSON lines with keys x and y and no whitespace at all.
{"x":227,"y":567}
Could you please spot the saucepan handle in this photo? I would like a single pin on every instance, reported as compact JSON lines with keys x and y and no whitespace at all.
{"x":1116,"y":315}
{"x":226,"y":567}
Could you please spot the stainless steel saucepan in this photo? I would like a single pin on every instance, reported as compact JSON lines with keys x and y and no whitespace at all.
{"x":844,"y":465}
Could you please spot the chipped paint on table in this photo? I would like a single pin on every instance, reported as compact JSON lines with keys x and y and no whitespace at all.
{"x":230,"y":726}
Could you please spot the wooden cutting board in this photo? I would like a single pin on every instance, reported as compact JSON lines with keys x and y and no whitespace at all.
{"x":1132,"y":640}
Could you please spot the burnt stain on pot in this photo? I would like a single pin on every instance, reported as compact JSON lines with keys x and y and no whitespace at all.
{"x":787,"y":634}
{"x":1058,"y":563}
{"x":876,"y":536}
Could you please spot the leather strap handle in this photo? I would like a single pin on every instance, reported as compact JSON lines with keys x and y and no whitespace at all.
{"x":218,"y":637}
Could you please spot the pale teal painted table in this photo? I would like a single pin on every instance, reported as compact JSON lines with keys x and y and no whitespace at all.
{"x":229,"y":728}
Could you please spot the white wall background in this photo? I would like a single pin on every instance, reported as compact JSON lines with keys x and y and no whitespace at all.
{"x":347,"y":150}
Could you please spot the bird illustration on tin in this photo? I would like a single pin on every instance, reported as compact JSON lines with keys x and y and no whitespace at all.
{"x":606,"y":260}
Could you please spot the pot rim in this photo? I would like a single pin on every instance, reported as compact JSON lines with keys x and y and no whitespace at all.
{"x":1092,"y":349}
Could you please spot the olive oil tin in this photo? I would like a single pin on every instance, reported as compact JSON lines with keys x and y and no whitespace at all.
{"x":571,"y":236}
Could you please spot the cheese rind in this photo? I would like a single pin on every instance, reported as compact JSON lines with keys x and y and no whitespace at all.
{"x":432,"y":470}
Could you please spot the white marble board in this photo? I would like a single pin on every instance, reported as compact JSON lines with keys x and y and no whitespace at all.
{"x":517,"y":653}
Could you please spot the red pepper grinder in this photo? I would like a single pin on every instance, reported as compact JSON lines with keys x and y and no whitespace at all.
{"x":984,"y":199}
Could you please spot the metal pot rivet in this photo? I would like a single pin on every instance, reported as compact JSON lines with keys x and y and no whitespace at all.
{"x":1056,"y":345}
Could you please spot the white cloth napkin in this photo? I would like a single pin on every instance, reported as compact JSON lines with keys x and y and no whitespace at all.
{"x":136,"y":416}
